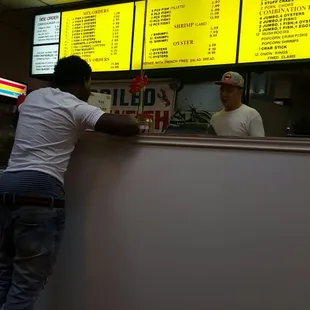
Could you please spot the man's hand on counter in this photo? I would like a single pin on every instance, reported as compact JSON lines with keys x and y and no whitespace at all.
{"x":118,"y":125}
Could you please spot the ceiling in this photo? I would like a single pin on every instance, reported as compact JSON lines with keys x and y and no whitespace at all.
{"x":28,"y":4}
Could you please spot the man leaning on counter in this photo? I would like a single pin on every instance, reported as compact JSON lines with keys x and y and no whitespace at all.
{"x":236,"y":119}
{"x":32,"y":196}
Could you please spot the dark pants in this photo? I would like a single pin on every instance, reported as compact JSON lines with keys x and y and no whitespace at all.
{"x":30,"y":239}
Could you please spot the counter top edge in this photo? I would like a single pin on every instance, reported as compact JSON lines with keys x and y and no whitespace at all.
{"x":296,"y":145}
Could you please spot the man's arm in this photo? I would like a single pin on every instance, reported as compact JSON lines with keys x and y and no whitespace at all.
{"x":257,"y":127}
{"x":90,"y":117}
{"x":119,"y":125}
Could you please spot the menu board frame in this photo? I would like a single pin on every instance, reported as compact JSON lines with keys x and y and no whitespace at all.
{"x":46,"y":77}
{"x":164,"y":72}
{"x":271,"y":64}
{"x":116,"y":28}
{"x":118,"y":74}
{"x":73,"y":7}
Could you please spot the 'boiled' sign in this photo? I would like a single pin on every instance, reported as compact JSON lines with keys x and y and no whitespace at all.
{"x":159,"y":101}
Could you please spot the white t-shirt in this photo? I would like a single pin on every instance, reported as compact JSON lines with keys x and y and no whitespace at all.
{"x":242,"y":122}
{"x":50,"y":123}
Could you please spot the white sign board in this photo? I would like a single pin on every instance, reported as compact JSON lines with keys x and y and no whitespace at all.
{"x":44,"y":59}
{"x":159,"y":100}
{"x":46,"y":29}
{"x":102,"y":101}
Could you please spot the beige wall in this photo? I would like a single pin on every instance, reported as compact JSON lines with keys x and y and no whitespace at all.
{"x":182,"y":228}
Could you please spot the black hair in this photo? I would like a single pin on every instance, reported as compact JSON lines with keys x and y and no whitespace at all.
{"x":71,"y":70}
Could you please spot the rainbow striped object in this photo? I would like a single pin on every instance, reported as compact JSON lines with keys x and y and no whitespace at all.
{"x":12,"y":89}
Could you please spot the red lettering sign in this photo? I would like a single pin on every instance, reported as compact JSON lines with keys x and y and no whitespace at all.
{"x":160,"y":118}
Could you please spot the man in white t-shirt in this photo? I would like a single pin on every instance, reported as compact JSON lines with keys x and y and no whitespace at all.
{"x":236,"y":119}
{"x":32,"y":197}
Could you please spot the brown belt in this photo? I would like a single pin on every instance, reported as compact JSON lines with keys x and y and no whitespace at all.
{"x":16,"y":200}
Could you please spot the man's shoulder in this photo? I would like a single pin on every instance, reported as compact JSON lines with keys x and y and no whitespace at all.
{"x":48,"y":101}
{"x":218,"y":114}
{"x":217,"y":117}
{"x":54,"y":95}
{"x":64,"y":96}
{"x":36,"y":93}
{"x":250,"y":112}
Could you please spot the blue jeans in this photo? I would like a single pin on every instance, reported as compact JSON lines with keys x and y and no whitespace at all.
{"x":29,"y":242}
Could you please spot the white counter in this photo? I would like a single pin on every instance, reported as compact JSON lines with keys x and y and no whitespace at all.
{"x":158,"y":225}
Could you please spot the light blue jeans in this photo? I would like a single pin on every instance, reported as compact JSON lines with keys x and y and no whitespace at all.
{"x":29,"y":242}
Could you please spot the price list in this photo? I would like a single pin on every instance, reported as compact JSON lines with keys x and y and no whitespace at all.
{"x":102,"y":36}
{"x":44,"y":59}
{"x":46,"y":29}
{"x":274,"y":30}
{"x":179,"y":33}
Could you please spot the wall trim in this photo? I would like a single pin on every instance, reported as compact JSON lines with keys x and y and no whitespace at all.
{"x":287,"y":145}
{"x":290,"y":145}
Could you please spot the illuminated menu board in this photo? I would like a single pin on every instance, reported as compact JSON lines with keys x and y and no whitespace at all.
{"x":45,"y":43}
{"x":274,"y":30}
{"x":178,"y":33}
{"x":44,"y":59}
{"x":46,"y":28}
{"x":102,"y":36}
{"x":183,"y":33}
